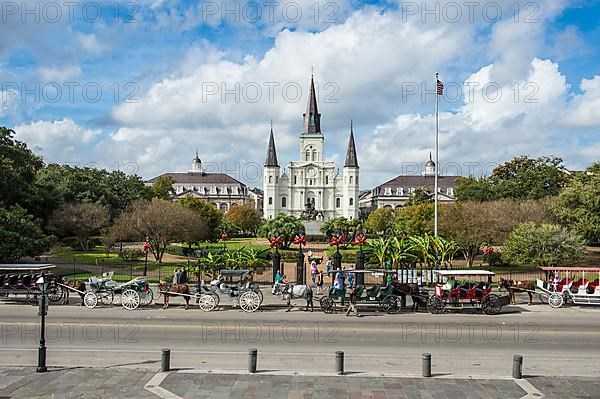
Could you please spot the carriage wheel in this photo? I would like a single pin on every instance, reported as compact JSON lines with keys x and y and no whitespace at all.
{"x":556,"y":300}
{"x":90,"y":300}
{"x":491,"y":304}
{"x":543,"y":298}
{"x":146,"y":297}
{"x":327,"y":305}
{"x":390,"y":304}
{"x":158,"y":295}
{"x":55,"y":293}
{"x":207,"y":302}
{"x":217,"y":298}
{"x":249,"y":301}
{"x":435,"y":305}
{"x":130,"y":299}
{"x":106,"y":297}
{"x":260,"y":295}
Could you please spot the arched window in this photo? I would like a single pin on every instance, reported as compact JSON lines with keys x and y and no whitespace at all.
{"x":326,"y":179}
{"x":337,"y":202}
{"x":351,"y":201}
{"x":270,"y":179}
{"x":270,"y":200}
{"x":295,"y":179}
{"x":283,"y":202}
{"x":314,"y":155}
{"x":308,"y":155}
{"x":351,"y":177}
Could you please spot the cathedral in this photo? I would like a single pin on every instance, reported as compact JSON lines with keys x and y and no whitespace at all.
{"x":311,"y":187}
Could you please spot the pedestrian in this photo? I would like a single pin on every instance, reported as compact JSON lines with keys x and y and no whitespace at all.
{"x":350,"y":280}
{"x":320,"y":282}
{"x":313,"y":271}
{"x":277,"y":277}
{"x":352,"y":305}
{"x":284,"y":279}
{"x":183,"y":276}
{"x":176,"y":276}
{"x":310,"y":254}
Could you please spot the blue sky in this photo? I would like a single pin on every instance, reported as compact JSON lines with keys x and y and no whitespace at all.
{"x":155,"y":63}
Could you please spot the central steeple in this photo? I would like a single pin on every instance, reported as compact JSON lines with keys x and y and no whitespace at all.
{"x":312,"y":117}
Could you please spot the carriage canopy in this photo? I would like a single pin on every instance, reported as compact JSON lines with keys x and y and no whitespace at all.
{"x":26,"y":267}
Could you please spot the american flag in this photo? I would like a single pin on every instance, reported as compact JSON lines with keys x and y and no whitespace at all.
{"x":440,"y":88}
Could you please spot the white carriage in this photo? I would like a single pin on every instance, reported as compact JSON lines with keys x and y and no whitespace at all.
{"x":563,"y":285}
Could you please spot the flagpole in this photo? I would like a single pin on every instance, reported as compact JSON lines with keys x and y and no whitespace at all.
{"x":435,"y":206}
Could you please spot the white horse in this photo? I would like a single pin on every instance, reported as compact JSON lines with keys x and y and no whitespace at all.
{"x":294,"y":291}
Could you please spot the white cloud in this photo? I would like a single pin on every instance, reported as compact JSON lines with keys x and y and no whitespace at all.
{"x":58,"y":141}
{"x":60,"y":74}
{"x":585,"y":108}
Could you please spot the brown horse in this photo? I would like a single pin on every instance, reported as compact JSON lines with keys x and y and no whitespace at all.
{"x":78,"y":285}
{"x":513,"y":286}
{"x":176,"y":289}
{"x":404,"y":289}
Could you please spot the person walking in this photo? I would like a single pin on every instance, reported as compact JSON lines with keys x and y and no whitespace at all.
{"x":277,"y":277}
{"x":328,"y":270}
{"x":350,"y":279}
{"x":352,"y":305}
{"x":313,"y":272}
{"x":176,"y":276}
{"x":320,"y":282}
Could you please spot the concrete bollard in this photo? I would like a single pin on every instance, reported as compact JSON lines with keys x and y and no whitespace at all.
{"x":426,"y":364}
{"x":165,"y":360}
{"x":252,"y":355}
{"x":517,"y":371}
{"x":339,"y":363}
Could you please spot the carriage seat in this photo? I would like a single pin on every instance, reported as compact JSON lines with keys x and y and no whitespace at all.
{"x":373,"y":291}
{"x":564,"y":284}
{"x":592,"y":287}
{"x":359,"y":290}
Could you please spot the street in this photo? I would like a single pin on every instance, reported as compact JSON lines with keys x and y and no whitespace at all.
{"x":563,"y":341}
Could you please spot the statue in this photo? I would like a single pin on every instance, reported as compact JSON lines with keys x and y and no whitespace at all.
{"x":310,"y":211}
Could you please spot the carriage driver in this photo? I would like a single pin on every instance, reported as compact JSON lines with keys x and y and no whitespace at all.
{"x":449,"y":286}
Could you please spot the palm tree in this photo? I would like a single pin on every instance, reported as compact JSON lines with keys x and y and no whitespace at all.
{"x":446,"y":248}
{"x":424,"y":249}
{"x":378,"y":249}
{"x":400,"y":250}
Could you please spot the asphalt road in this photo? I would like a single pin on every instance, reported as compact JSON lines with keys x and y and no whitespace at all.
{"x":553,"y":342}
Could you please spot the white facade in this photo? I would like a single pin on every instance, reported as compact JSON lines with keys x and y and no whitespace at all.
{"x":311,"y":183}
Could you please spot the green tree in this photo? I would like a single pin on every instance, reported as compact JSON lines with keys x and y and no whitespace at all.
{"x":20,"y":235}
{"x":114,"y":190}
{"x":163,"y":188}
{"x":211,"y":215}
{"x":244,"y":217}
{"x":285,"y":225}
{"x":381,"y":221}
{"x":543,"y":245}
{"x":527,"y":178}
{"x":401,"y":251}
{"x":415,"y":220}
{"x":81,"y":220}
{"x":473,"y":189}
{"x":163,"y":222}
{"x":377,"y":251}
{"x":578,"y":205}
{"x":419,"y":196}
{"x":340,"y":225}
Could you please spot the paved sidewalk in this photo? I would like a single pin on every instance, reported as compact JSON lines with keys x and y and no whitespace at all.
{"x":138,"y":383}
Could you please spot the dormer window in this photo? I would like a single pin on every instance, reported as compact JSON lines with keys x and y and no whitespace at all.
{"x":387,"y":191}
{"x":399,"y":191}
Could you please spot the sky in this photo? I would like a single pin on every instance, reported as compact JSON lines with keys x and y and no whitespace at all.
{"x":139,"y":86}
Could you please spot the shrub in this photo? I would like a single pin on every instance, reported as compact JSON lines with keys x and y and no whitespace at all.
{"x":131,"y":254}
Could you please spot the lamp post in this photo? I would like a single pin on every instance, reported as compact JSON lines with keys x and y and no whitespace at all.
{"x":42,"y":285}
{"x":300,"y":239}
{"x":147,"y":247}
{"x":336,"y":239}
{"x":359,"y":239}
{"x":276,"y":242}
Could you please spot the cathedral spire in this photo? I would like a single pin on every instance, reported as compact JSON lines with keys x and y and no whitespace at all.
{"x":351,"y":159}
{"x":271,"y":152}
{"x":312,"y":117}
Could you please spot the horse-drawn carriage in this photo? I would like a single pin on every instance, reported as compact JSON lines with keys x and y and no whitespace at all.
{"x":475,"y":291}
{"x":388,"y":297}
{"x":562,"y":285}
{"x":235,"y":284}
{"x":20,"y":280}
{"x":105,"y":290}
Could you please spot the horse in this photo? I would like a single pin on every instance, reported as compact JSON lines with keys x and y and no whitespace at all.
{"x":404,"y":289}
{"x":165,"y":287}
{"x":76,"y":284}
{"x":517,"y":286}
{"x":294,"y":291}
